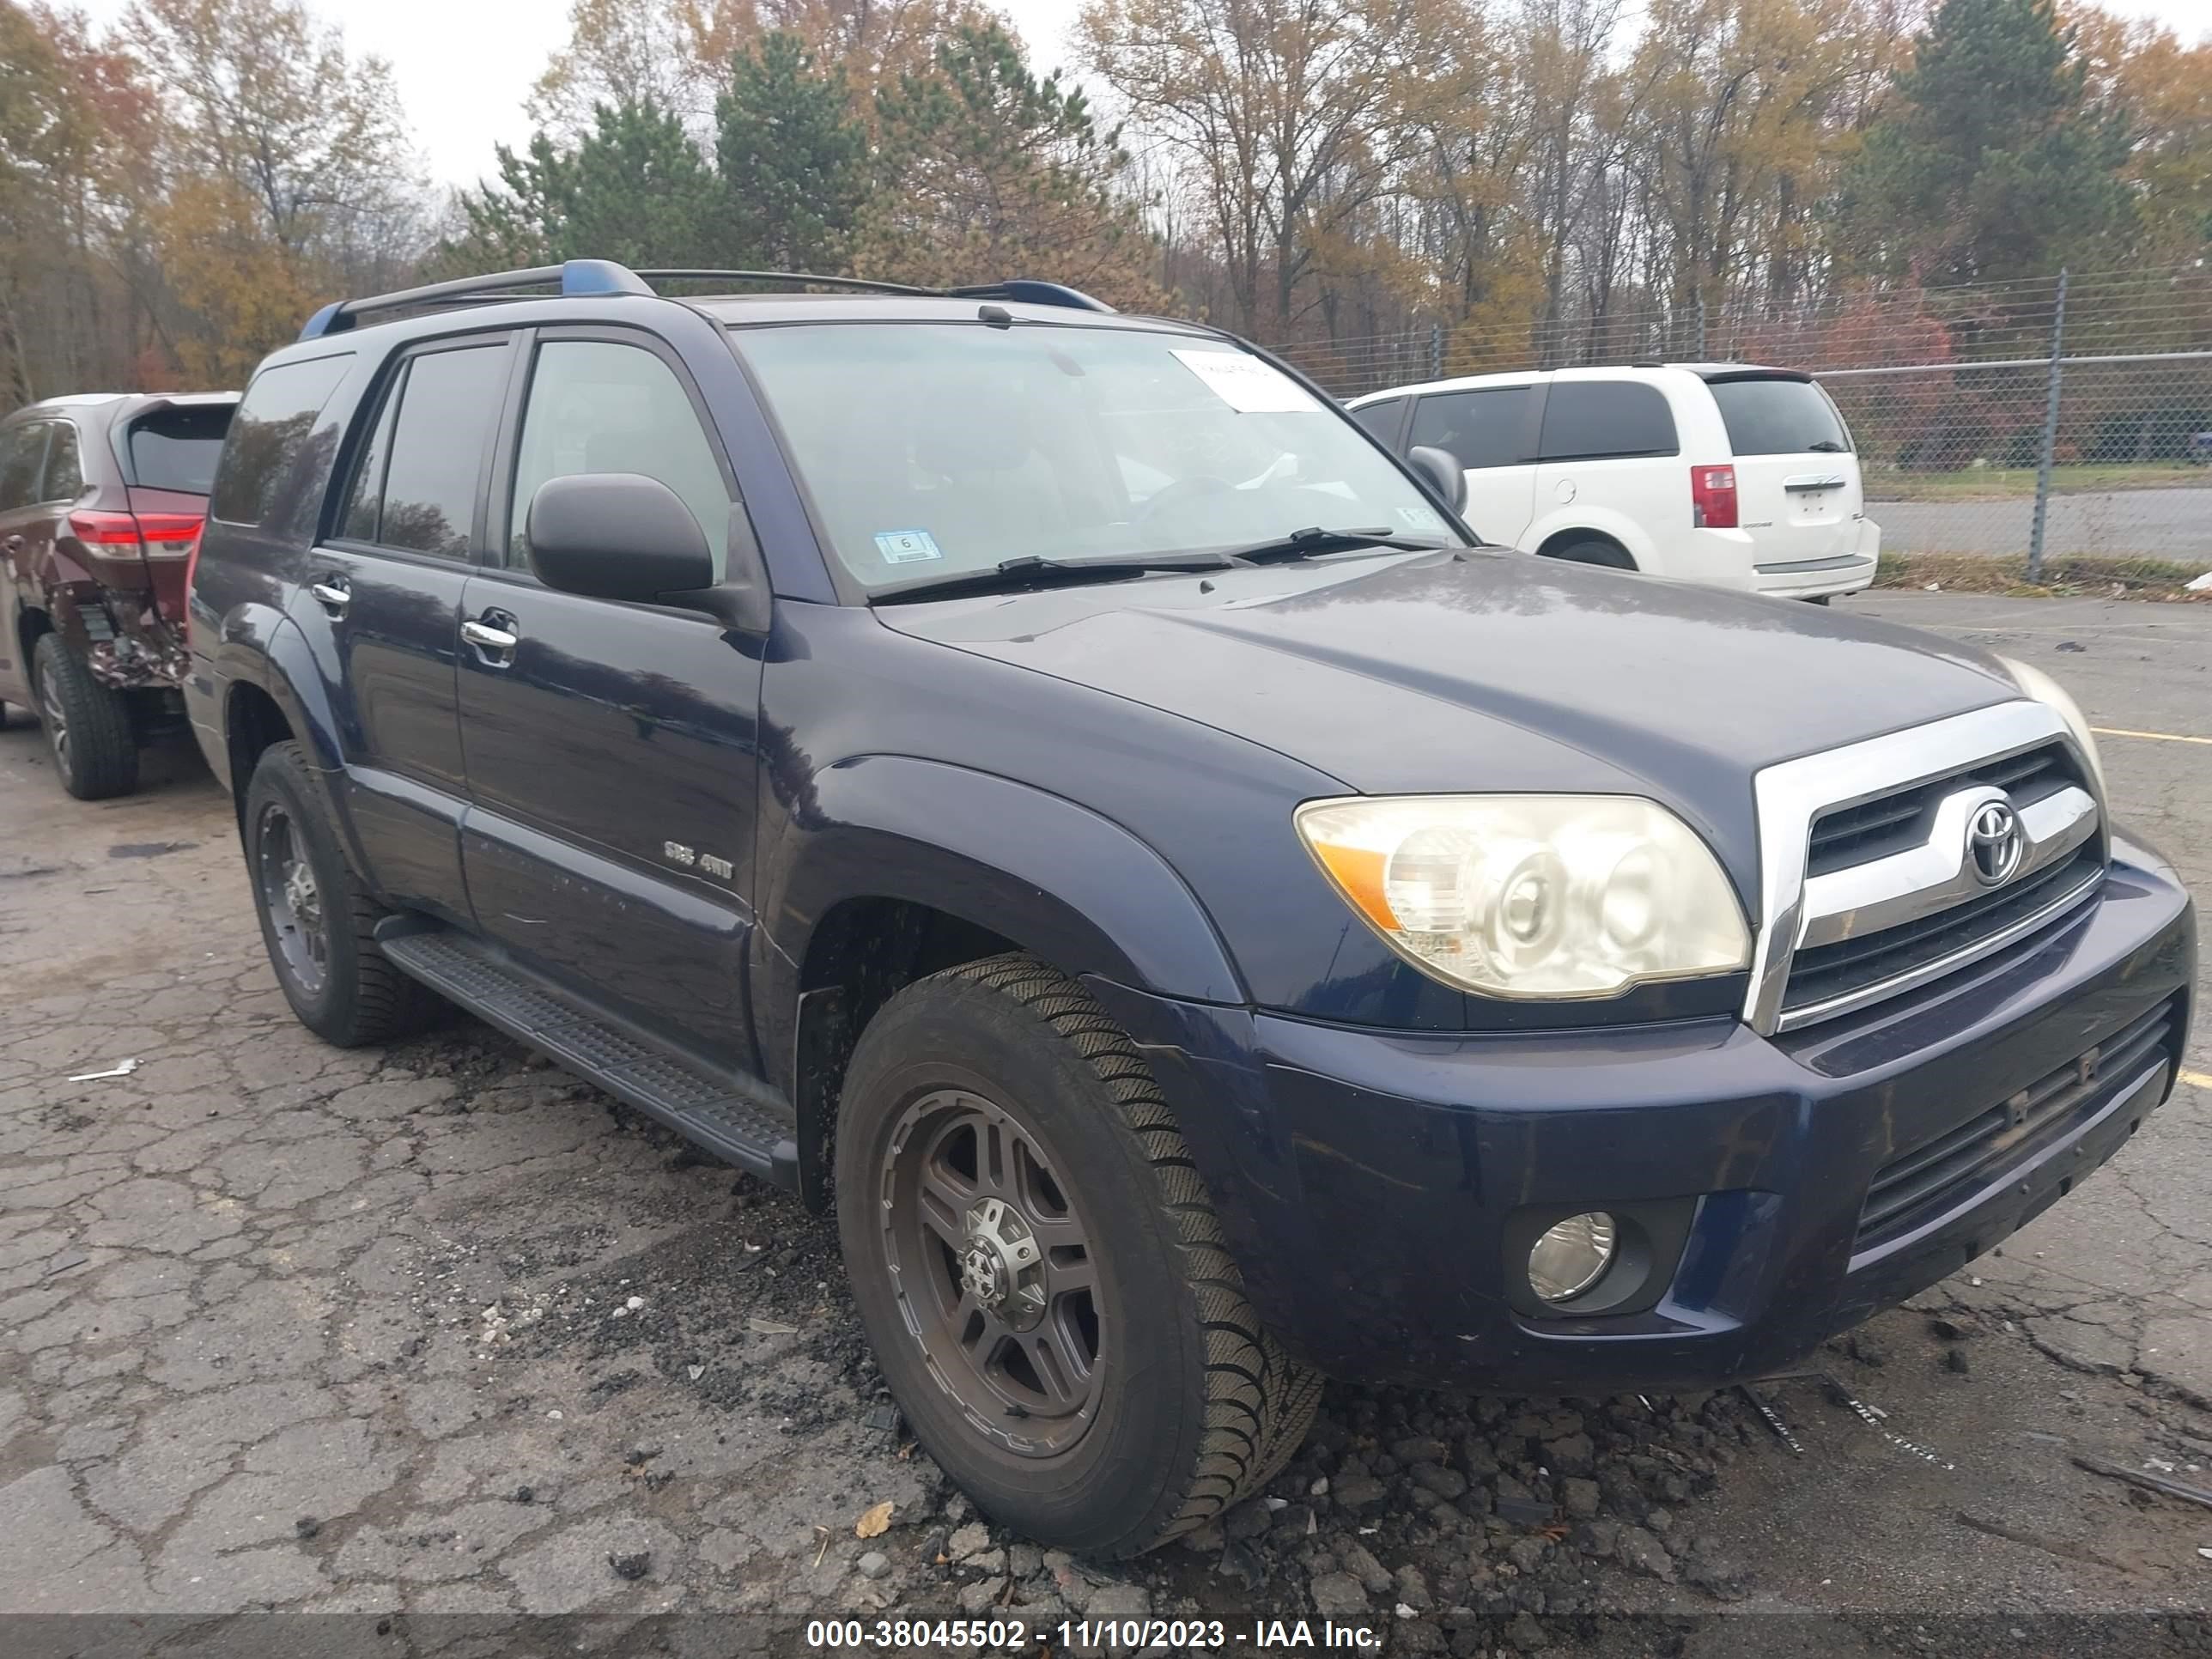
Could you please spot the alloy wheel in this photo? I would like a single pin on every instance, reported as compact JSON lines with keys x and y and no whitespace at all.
{"x":293,"y":899}
{"x":55,"y":718}
{"x":994,"y":1272}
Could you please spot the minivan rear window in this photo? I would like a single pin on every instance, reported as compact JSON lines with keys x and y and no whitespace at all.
{"x":177,"y":448}
{"x":1775,"y":416}
{"x":270,"y":428}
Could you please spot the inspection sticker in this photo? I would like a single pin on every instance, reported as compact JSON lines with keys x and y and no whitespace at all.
{"x":1419,"y":517}
{"x":905,"y":546}
{"x":1247,"y":385}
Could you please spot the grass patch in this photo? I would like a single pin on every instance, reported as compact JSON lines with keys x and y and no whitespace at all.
{"x":1990,"y":483}
{"x":2063,"y":576}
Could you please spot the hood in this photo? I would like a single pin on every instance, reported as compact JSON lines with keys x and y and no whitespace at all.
{"x":1483,"y":670}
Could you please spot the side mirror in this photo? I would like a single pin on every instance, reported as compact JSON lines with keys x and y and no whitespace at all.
{"x":1441,"y":468}
{"x":616,"y":536}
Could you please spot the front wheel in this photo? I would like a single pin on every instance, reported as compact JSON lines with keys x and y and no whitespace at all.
{"x":1040,"y":1271}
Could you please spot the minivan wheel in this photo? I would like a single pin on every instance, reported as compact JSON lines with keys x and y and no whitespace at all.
{"x":317,"y":920}
{"x":1039,"y":1270}
{"x":87,"y":724}
{"x":1592,"y":550}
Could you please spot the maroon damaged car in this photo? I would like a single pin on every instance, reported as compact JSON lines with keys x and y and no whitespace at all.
{"x":102,"y":495}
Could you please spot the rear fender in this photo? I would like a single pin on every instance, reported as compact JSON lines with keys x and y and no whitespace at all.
{"x":268,"y":650}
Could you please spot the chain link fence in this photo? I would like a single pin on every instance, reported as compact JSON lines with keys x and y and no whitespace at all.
{"x":2050,"y":418}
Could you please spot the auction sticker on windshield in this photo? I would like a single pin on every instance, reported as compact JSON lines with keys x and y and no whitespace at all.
{"x":1247,"y":385}
{"x":905,"y":546}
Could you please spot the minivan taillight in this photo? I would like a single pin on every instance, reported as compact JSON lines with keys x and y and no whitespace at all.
{"x":159,"y":534}
{"x":1712,"y":498}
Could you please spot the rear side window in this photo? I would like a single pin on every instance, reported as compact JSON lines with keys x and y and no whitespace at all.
{"x":64,"y":479}
{"x":22,"y":449}
{"x":178,"y":448}
{"x":1606,"y":420}
{"x":1481,"y":429}
{"x":1381,"y":419}
{"x":416,"y":487}
{"x":1780,"y":417}
{"x":598,"y":406}
{"x":270,"y":433}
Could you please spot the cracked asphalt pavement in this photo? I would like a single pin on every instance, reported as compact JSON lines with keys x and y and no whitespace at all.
{"x":435,"y":1336}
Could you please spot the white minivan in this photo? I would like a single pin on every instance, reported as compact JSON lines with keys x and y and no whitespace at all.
{"x":1712,"y":472}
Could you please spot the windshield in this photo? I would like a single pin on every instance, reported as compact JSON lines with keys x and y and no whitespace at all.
{"x":936,"y":449}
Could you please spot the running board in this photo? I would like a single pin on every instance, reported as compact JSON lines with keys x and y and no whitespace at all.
{"x":735,"y":1119}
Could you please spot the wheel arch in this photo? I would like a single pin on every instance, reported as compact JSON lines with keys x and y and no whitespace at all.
{"x":1556,"y":545}
{"x":902,"y":868}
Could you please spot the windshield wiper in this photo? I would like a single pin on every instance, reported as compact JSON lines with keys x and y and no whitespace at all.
{"x":1010,"y":575}
{"x":1314,"y":541}
{"x":1826,"y":447}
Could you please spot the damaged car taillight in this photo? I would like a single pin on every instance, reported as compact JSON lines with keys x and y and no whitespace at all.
{"x":158,"y":534}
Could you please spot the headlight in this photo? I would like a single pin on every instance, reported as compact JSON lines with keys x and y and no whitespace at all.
{"x":2038,"y":687}
{"x":1531,"y":896}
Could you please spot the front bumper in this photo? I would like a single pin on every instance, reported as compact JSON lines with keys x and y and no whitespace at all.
{"x":1367,"y":1182}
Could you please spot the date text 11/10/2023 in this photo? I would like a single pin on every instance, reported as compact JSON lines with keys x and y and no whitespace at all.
{"x":1004,"y":1635}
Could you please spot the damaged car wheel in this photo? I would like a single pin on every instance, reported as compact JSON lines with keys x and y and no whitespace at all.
{"x":88,"y":724}
{"x":1040,"y":1273}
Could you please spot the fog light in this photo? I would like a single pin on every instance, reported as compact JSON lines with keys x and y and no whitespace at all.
{"x":1571,"y":1255}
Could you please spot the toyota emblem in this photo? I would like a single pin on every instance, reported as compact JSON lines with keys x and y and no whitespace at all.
{"x":1995,"y":845}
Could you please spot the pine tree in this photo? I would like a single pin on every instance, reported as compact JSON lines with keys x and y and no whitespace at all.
{"x":635,"y":190}
{"x":793,"y":161}
{"x":1991,"y":161}
{"x":985,"y":171}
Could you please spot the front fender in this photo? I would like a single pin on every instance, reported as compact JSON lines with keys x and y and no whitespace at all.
{"x":1053,"y":877}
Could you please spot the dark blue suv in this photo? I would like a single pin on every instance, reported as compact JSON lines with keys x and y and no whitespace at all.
{"x":1046,"y":784}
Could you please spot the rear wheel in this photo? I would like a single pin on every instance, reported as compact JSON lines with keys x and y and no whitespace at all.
{"x":87,"y":724}
{"x":1040,"y":1271}
{"x":317,"y":920}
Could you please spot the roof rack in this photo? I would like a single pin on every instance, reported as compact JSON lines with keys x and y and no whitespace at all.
{"x":1024,"y":291}
{"x":600,"y":278}
{"x":866,"y":284}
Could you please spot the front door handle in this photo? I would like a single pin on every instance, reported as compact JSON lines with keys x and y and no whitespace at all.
{"x":14,"y":544}
{"x":496,"y":644}
{"x":333,"y":595}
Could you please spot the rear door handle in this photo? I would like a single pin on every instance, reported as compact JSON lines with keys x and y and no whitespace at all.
{"x":14,"y":544}
{"x":495,"y":643}
{"x":333,"y":595}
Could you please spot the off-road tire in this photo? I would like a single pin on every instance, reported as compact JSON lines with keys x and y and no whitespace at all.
{"x":1200,"y":1407}
{"x":100,"y":759}
{"x":362,"y":998}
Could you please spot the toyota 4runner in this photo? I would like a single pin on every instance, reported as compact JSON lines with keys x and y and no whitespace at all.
{"x":1046,"y":785}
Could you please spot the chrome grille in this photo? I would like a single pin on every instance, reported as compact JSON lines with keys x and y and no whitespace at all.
{"x":1876,"y":868}
{"x":1845,"y":835}
{"x":1826,"y":974}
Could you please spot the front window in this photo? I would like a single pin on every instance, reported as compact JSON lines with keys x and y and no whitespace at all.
{"x":937,"y":449}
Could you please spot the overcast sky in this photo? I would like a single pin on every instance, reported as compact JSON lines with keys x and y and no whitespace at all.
{"x":464,"y":66}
